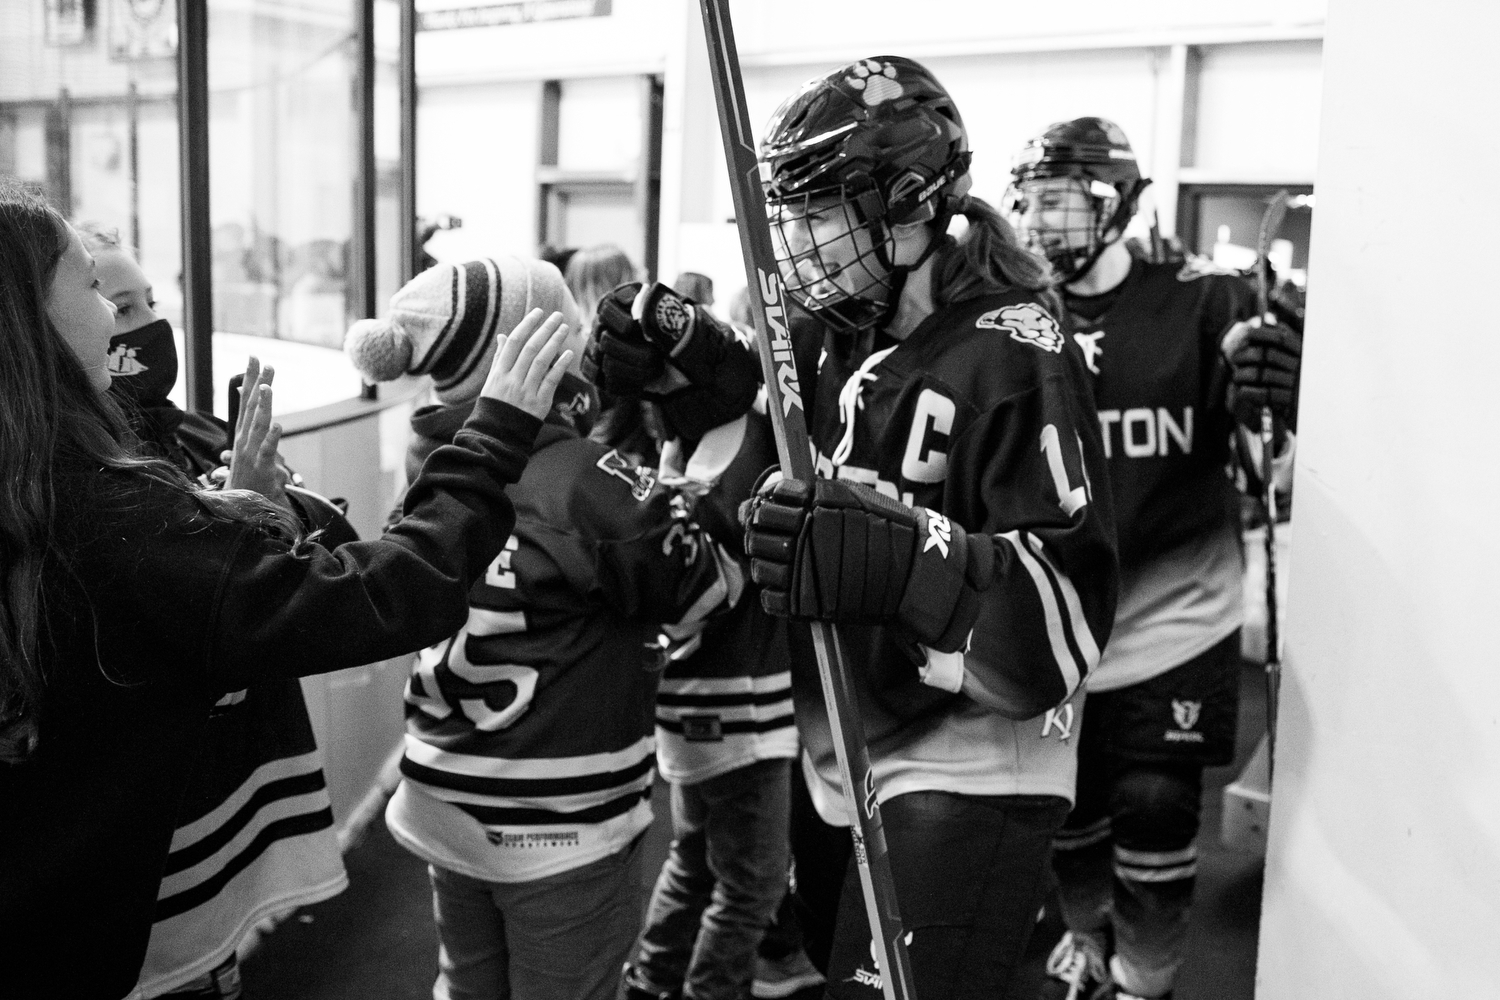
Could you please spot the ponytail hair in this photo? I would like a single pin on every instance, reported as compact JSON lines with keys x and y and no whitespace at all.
{"x":989,"y":258}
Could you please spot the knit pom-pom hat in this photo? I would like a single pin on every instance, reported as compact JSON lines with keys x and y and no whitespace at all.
{"x":446,"y":321}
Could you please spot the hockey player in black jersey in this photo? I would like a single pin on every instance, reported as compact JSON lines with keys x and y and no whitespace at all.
{"x":959,"y":532}
{"x":1174,"y":362}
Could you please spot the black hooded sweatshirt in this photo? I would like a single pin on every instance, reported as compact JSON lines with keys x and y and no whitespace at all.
{"x":163,"y":609}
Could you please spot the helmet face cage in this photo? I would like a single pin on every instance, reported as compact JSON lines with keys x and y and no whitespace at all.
{"x":834,"y":262}
{"x":867,"y":147}
{"x":1078,"y":230}
{"x":1088,"y":161}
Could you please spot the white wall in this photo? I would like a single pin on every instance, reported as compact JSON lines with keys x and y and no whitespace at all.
{"x":1258,"y":110}
{"x":1013,"y":69}
{"x":476,"y":158}
{"x":1383,"y":878}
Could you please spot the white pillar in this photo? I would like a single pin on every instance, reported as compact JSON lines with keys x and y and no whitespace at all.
{"x":1383,"y":877}
{"x":1171,"y":90}
{"x":690,"y":154}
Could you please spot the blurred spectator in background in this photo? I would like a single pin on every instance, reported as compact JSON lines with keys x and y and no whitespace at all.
{"x":558,"y":257}
{"x":698,"y":287}
{"x":593,"y":271}
{"x":624,"y":424}
{"x":426,"y":229}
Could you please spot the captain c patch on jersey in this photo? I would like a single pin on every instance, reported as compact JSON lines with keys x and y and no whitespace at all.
{"x":1026,"y":323}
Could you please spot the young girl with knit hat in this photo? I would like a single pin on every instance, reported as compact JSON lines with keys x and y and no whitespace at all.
{"x":530,"y":749}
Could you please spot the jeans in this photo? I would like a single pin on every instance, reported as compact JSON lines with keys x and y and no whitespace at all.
{"x":970,"y":874}
{"x":562,"y":936}
{"x":721,"y":883}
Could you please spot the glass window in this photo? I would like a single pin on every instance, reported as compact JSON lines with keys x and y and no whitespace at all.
{"x":388,"y":269}
{"x":282,"y":168}
{"x":88,"y":114}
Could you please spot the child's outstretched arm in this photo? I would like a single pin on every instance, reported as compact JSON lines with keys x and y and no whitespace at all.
{"x":310,"y":611}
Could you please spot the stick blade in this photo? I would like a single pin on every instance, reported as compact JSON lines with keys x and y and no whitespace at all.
{"x":1271,"y":221}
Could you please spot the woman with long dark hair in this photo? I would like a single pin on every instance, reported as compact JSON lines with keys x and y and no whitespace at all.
{"x":131,"y":600}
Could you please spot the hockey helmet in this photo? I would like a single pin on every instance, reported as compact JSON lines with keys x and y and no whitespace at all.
{"x":1094,"y":153}
{"x":874,"y":144}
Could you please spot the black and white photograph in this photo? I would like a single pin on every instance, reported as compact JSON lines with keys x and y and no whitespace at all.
{"x":748,"y":500}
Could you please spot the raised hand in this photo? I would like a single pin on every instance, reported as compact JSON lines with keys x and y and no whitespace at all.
{"x":253,"y":464}
{"x":530,"y":364}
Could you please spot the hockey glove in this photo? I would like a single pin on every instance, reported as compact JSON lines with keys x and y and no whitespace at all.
{"x":840,"y":552}
{"x":618,"y":359}
{"x":1264,"y":363}
{"x":657,"y":345}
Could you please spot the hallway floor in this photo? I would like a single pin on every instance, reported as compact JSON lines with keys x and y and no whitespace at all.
{"x":376,"y":940}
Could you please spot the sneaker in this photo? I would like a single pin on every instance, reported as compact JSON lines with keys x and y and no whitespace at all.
{"x":775,"y":980}
{"x":1078,"y":963}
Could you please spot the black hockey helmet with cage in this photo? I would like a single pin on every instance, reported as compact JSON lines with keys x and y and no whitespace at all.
{"x":881,"y":141}
{"x":1095,"y":153}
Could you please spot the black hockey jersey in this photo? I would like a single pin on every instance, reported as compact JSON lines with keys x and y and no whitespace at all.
{"x":1154,"y":355}
{"x":726,"y":694}
{"x":983,"y":414}
{"x":1158,"y":380}
{"x":530,"y":735}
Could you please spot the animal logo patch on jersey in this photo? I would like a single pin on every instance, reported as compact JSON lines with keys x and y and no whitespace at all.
{"x":1185,"y":713}
{"x":641,"y":480}
{"x":1088,"y":343}
{"x":1026,"y":323}
{"x":876,"y":81}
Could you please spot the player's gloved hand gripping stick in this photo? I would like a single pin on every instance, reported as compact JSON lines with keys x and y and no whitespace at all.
{"x":767,"y":299}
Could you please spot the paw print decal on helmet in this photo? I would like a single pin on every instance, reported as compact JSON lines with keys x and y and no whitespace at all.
{"x":876,"y":82}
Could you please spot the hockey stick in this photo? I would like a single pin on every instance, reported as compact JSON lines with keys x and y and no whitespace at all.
{"x":1270,"y":222}
{"x":768,"y":305}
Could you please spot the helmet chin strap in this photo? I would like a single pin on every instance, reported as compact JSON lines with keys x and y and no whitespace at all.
{"x":1118,"y":220}
{"x":898,"y":273}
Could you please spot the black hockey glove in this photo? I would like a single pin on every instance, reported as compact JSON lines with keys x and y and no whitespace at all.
{"x":656,"y":345}
{"x":840,"y":552}
{"x":618,"y":360}
{"x":1264,"y":365}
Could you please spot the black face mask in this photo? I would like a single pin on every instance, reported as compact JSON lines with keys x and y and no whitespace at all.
{"x":144,"y":362}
